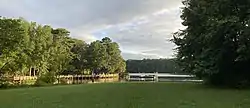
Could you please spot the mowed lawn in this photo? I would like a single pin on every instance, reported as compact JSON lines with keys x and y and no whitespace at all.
{"x":125,"y":95}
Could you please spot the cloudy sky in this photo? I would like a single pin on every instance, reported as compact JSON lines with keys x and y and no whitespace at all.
{"x":141,"y":27}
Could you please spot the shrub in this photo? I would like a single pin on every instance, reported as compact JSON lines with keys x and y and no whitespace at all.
{"x":46,"y":79}
{"x":63,"y":81}
{"x":49,"y":78}
{"x":5,"y":82}
{"x":40,"y":82}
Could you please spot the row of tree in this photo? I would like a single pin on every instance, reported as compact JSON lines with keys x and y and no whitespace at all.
{"x":216,"y":43}
{"x":26,"y":46}
{"x":153,"y":65}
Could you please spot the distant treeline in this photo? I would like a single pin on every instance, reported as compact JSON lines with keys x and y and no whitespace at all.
{"x":153,"y":65}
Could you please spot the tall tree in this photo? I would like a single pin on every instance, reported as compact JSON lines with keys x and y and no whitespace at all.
{"x":215,"y":45}
{"x":12,"y":43}
{"x":114,"y":58}
{"x":105,"y":57}
{"x":28,"y":46}
{"x":97,"y":56}
{"x":153,"y":65}
{"x":78,"y":64}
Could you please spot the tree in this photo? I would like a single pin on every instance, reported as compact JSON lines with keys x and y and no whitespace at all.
{"x":153,"y":65}
{"x":215,"y":44}
{"x":105,"y":57}
{"x":114,"y":59}
{"x":12,"y":43}
{"x":27,"y":46}
{"x":78,"y":64}
{"x":97,"y":56}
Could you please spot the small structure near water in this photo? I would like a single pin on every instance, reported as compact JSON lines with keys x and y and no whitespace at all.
{"x":161,"y":77}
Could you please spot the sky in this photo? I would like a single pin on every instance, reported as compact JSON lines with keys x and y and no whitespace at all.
{"x":142,"y":28}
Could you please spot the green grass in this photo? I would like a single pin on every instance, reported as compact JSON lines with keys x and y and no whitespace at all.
{"x":125,"y":95}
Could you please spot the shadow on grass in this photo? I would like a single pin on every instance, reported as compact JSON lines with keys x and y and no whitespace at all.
{"x":192,"y":85}
{"x":31,"y":86}
{"x":220,"y":87}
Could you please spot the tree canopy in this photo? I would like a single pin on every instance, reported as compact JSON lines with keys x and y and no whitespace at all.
{"x":153,"y":65}
{"x":26,"y":46}
{"x":215,"y":45}
{"x":105,"y":56}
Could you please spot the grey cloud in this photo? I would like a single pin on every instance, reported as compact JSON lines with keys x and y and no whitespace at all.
{"x":127,"y":56}
{"x":72,"y":13}
{"x":146,"y":36}
{"x":151,"y":38}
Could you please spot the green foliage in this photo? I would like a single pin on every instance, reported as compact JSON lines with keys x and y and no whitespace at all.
{"x":96,"y":55}
{"x":78,"y":62}
{"x":50,"y":52}
{"x":215,"y":45}
{"x":40,"y":82}
{"x":63,"y":81}
{"x":28,"y":82}
{"x":5,"y":82}
{"x":153,"y":65}
{"x":105,"y":57}
{"x":12,"y":42}
{"x":46,"y":79}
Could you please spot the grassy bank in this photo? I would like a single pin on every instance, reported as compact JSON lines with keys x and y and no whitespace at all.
{"x":125,"y":95}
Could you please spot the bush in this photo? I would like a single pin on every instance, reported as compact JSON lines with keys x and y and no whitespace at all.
{"x":40,"y":82}
{"x":29,"y":82}
{"x":47,"y":79}
{"x":5,"y":82}
{"x":123,"y":76}
{"x":63,"y":81}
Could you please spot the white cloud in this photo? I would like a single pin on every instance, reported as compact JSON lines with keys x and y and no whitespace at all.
{"x":149,"y":39}
{"x":161,"y":12}
{"x":141,"y":27}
